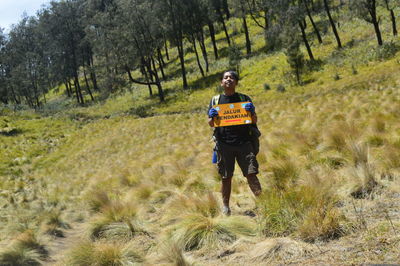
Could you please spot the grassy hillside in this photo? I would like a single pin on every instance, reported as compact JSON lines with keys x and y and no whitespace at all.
{"x":135,"y":179}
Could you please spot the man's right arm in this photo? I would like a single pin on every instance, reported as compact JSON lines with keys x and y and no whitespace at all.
{"x":211,"y":122}
{"x":211,"y":114}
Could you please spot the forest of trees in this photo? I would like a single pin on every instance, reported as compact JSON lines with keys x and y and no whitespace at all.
{"x":91,"y":47}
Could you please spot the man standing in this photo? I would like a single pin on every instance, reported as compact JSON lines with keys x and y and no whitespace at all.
{"x":234,"y":142}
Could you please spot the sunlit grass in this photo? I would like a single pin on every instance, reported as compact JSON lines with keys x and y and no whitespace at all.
{"x":143,"y":180}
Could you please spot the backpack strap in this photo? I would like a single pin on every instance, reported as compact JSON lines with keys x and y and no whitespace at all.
{"x":243,"y":98}
{"x":215,"y":99}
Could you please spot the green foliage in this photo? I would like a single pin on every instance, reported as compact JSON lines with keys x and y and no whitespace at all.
{"x":295,"y":59}
{"x":281,"y":88}
{"x":235,"y":56}
{"x":385,"y":51}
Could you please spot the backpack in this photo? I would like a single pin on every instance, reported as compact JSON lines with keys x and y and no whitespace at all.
{"x":254,"y":131}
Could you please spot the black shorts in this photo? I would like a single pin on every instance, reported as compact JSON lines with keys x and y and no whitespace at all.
{"x":243,"y":154}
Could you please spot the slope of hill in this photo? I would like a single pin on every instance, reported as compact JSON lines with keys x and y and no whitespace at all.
{"x":143,"y":190}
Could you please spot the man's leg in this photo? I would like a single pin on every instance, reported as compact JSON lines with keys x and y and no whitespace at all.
{"x":226,"y":194}
{"x":254,"y":184}
{"x":226,"y":166}
{"x":248,"y":163}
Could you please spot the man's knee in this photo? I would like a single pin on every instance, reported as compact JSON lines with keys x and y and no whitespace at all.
{"x":226,"y":179}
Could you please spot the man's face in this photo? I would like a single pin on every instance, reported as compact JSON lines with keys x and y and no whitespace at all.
{"x":228,"y":81}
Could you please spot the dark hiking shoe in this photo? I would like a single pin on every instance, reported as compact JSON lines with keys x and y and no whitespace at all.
{"x":249,"y":213}
{"x":226,"y":211}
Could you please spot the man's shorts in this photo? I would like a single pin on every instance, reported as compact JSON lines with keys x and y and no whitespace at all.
{"x":243,"y":154}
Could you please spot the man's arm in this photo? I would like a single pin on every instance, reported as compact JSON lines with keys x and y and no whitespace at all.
{"x":211,"y":114}
{"x":211,"y":122}
{"x":254,"y":118}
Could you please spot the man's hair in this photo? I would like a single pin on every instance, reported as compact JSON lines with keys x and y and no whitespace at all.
{"x":234,"y":74}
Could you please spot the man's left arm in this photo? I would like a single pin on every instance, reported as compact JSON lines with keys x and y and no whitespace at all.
{"x":252,"y":109}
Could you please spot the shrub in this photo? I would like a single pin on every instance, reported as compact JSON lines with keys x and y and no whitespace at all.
{"x":234,"y":56}
{"x":336,"y":76}
{"x":281,"y":88}
{"x":386,"y":51}
{"x":266,"y":87}
{"x":354,"y":70}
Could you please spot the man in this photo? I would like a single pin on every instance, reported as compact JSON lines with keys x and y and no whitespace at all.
{"x":234,"y":142}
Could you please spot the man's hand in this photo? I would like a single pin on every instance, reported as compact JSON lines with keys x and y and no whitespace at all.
{"x":212,"y":113}
{"x":250,"y":107}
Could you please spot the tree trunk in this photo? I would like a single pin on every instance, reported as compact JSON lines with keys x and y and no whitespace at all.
{"x":378,"y":32}
{"x":159,"y":87}
{"x":374,"y":21}
{"x":70,"y":87}
{"x":393,"y":18}
{"x":78,"y":89}
{"x":166,"y":49}
{"x":77,"y":94}
{"x":304,"y":36}
{"x":212,"y":35}
{"x":313,"y":23}
{"x":146,"y":77}
{"x":226,"y":9}
{"x":87,"y":84}
{"x":246,"y":32}
{"x":160,"y":57}
{"x":93,"y":73}
{"x":182,"y":61}
{"x":339,"y":43}
{"x":203,"y":48}
{"x":266,"y":20}
{"x":222,"y":21}
{"x":67,"y":89}
{"x":193,"y":41}
{"x":160,"y":64}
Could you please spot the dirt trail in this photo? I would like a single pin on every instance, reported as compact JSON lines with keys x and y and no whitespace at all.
{"x":59,"y":245}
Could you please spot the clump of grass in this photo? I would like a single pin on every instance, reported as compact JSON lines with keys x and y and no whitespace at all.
{"x":322,"y":222}
{"x":359,"y":153}
{"x":53,"y":224}
{"x":363,"y":180}
{"x":267,"y":87}
{"x":103,"y":253}
{"x":280,"y":249}
{"x":280,"y":88}
{"x":375,"y":140}
{"x":283,"y":212}
{"x":25,"y":249}
{"x":336,"y":76}
{"x":29,"y":240}
{"x":172,"y":253}
{"x":20,"y":256}
{"x":97,"y":199}
{"x":206,"y":205}
{"x":284,"y":173}
{"x":114,"y":220}
{"x":195,"y":231}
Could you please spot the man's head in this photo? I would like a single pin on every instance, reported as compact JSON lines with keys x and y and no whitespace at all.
{"x":229,"y":80}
